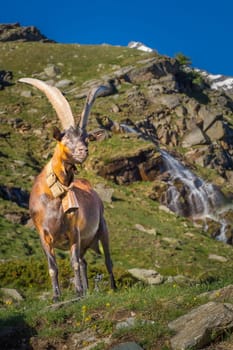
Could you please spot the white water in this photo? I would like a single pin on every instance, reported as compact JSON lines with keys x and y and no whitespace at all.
{"x":188,"y":195}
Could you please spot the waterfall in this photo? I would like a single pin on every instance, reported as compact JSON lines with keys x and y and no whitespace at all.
{"x":188,"y":195}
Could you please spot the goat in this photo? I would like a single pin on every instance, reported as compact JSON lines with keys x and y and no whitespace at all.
{"x":67,"y":212}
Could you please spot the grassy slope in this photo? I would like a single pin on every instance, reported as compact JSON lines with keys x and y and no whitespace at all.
{"x":177,"y":247}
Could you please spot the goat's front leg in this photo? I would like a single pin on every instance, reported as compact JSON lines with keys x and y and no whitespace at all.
{"x":52,"y":265}
{"x":78,"y":264}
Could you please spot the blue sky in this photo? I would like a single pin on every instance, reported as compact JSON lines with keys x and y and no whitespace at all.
{"x":200,"y":29}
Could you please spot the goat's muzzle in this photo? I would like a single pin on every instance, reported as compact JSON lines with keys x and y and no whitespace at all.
{"x":81,"y":154}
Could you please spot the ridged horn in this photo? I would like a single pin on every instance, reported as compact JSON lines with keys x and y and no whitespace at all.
{"x":58,"y":101}
{"x":92,"y":95}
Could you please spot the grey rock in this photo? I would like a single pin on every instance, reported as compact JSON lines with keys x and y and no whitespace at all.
{"x":63,"y":83}
{"x":127,"y":346}
{"x":170,"y":101}
{"x":207,"y":116}
{"x":148,"y":276}
{"x":158,"y":68}
{"x":104,"y":192}
{"x":166,"y":209}
{"x":77,"y":339}
{"x":216,"y":131}
{"x":193,"y":138}
{"x":129,"y":322}
{"x":52,"y":71}
{"x":217,"y":258}
{"x":150,"y":231}
{"x":225,"y":293}
{"x":26,"y":93}
{"x":192,"y":107}
{"x":181,"y":111}
{"x":197,"y":328}
{"x":179,"y":279}
{"x":11,"y":293}
{"x":122,"y":72}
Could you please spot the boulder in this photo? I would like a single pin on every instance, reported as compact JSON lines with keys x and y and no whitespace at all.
{"x":148,"y":276}
{"x":220,"y":294}
{"x":181,"y":112}
{"x":192,"y":107}
{"x":11,"y":293}
{"x":158,"y":68}
{"x":216,"y":131}
{"x":169,"y":100}
{"x":104,"y":192}
{"x":207,"y":116}
{"x":129,"y":322}
{"x":63,"y":83}
{"x":201,"y":326}
{"x":26,"y":93}
{"x":218,"y":258}
{"x":193,"y":138}
{"x":52,"y":71}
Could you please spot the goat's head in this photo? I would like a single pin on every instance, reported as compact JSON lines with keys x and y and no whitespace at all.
{"x":73,"y":140}
{"x":72,"y":144}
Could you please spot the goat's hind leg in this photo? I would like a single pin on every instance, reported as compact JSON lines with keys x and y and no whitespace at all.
{"x":104,"y":239}
{"x":83,"y":270}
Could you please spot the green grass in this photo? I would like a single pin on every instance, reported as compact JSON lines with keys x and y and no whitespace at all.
{"x":176,"y":248}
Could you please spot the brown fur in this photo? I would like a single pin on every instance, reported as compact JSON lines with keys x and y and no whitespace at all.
{"x":62,"y":222}
{"x":76,"y":229}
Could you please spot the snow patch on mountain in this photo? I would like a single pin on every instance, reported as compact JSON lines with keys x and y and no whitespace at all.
{"x":217,"y":81}
{"x":139,"y":46}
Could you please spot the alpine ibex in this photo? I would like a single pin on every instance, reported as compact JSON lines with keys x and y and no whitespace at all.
{"x":67,"y":212}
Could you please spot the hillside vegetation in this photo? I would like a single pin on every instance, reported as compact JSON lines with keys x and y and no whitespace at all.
{"x":189,"y":261}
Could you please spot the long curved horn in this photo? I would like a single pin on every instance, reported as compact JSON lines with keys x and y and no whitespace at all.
{"x":95,"y":92}
{"x":58,"y":101}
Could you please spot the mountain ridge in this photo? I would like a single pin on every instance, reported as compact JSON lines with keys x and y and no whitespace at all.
{"x":16,"y":32}
{"x":216,"y":81}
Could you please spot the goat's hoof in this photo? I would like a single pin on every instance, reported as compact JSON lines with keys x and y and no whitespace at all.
{"x":113,"y":286}
{"x":80,"y":293}
{"x":56,"y":299}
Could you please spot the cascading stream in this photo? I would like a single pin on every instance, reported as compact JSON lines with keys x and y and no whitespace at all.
{"x":190,"y":196}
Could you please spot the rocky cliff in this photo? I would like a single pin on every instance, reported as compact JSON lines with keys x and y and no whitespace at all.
{"x":16,"y":32}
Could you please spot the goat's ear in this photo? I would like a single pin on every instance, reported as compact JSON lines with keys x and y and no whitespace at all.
{"x":90,"y":137}
{"x":57,"y":134}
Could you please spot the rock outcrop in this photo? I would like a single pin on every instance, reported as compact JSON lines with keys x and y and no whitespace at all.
{"x":14,"y":32}
{"x":201,"y":326}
